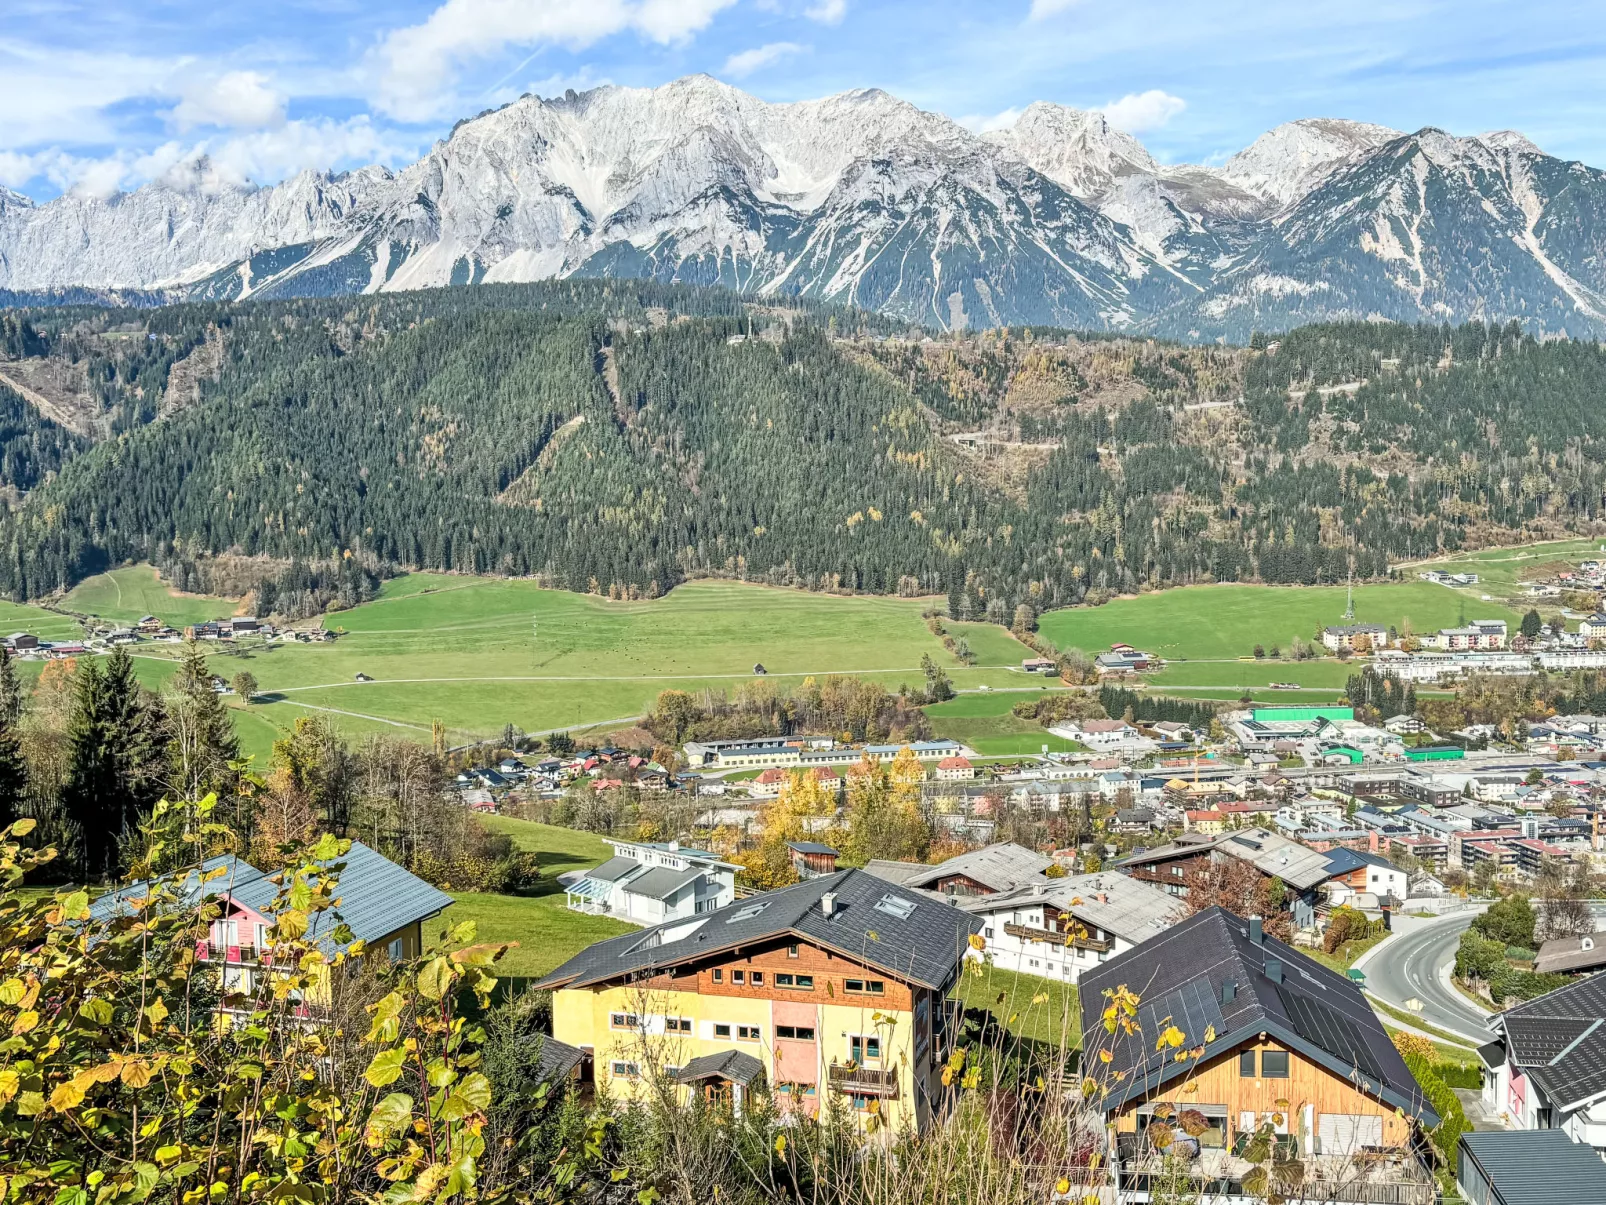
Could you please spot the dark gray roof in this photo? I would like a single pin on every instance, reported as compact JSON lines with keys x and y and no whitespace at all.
{"x":660,"y":882}
{"x":1179,"y":977}
{"x":1342,"y":860}
{"x":613,"y":870}
{"x":236,"y":873}
{"x":903,"y":933}
{"x":733,"y":1065}
{"x":1534,"y":1167}
{"x":894,"y":872}
{"x":554,"y":1060}
{"x":1559,"y":1041}
{"x":809,"y":847}
{"x":375,"y":897}
{"x":1572,"y":954}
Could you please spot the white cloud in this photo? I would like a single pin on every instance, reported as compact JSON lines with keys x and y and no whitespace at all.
{"x":417,"y":66}
{"x":1137,"y":112}
{"x":827,"y":12}
{"x":53,"y":95}
{"x":1051,"y":8}
{"x":748,"y":61}
{"x":243,"y":100}
{"x":981,"y":124}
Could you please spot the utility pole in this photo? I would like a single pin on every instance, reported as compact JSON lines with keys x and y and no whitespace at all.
{"x":1349,"y":600}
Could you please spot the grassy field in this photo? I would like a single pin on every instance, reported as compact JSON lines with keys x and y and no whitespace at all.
{"x":480,"y":653}
{"x":1217,"y":622}
{"x":983,"y":722}
{"x":1499,"y":570}
{"x":1031,"y":1007}
{"x":547,"y":933}
{"x":133,"y":592}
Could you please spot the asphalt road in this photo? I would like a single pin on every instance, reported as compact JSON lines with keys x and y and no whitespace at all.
{"x":1410,"y":965}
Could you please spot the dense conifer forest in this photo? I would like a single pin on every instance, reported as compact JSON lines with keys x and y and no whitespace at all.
{"x":621,"y":437}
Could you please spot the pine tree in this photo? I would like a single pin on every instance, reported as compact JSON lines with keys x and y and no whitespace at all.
{"x":13,"y":699}
{"x":201,"y":739}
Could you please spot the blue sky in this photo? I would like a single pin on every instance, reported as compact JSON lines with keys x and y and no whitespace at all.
{"x":105,"y":95}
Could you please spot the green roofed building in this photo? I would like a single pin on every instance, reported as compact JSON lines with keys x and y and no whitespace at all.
{"x":1300,"y":715}
{"x":1435,"y":753}
{"x":1355,"y":756}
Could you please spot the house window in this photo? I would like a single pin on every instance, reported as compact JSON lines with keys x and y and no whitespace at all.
{"x":756,"y":978}
{"x":721,"y":1030}
{"x":864,"y":1047}
{"x":624,"y":1021}
{"x":738,"y":976}
{"x":395,"y":951}
{"x":1246,"y":1064}
{"x":747,"y":1033}
{"x":798,"y":1090}
{"x":988,"y":933}
{"x":791,"y":951}
{"x":799,"y":1033}
{"x":626,"y":1070}
{"x":1274,"y":1064}
{"x":677,"y":1024}
{"x":719,"y":975}
{"x":867,"y":987}
{"x":1213,"y":1138}
{"x":802,"y":983}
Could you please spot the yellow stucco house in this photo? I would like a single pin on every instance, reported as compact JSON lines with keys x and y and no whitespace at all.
{"x":837,"y":985}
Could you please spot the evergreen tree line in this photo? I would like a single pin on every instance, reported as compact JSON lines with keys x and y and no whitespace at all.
{"x":1153,"y":709}
{"x":570,"y":433}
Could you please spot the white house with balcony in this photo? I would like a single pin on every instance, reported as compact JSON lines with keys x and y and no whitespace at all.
{"x":1058,"y":928}
{"x":649,"y":882}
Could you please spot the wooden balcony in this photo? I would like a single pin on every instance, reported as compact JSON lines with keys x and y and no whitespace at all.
{"x":1052,"y":938}
{"x":205,"y":951}
{"x":1377,"y":1178}
{"x":871,"y":1080}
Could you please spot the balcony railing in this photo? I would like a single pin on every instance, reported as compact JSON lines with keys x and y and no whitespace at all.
{"x":850,"y":1078}
{"x":1053,"y":938}
{"x":205,"y":951}
{"x":1373,"y":1178}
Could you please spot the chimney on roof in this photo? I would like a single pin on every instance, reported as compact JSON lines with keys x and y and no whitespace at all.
{"x":1256,"y":936}
{"x":674,"y":847}
{"x":1274,"y":969}
{"x":828,"y":904}
{"x":1102,"y":897}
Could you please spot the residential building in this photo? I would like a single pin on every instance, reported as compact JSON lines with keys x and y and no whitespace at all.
{"x":987,"y":871}
{"x":382,"y":904}
{"x":955,"y":769}
{"x":1040,"y":665}
{"x":1129,"y":661}
{"x":1527,"y":1167}
{"x":1480,"y":634}
{"x":647,"y":882}
{"x":1210,"y":822}
{"x":835,"y":985}
{"x":1357,"y":872}
{"x":1300,"y":868}
{"x":1061,"y":928}
{"x":1358,"y":637}
{"x":1546,"y":1068}
{"x":1593,"y":627}
{"x":1404,"y":725}
{"x":1269,"y":1037}
{"x":1572,"y":955}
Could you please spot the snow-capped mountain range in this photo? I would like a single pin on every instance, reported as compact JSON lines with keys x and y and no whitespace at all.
{"x":865,"y":198}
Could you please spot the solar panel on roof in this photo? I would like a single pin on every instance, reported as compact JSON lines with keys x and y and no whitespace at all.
{"x":747,"y":913}
{"x":1332,"y":1031}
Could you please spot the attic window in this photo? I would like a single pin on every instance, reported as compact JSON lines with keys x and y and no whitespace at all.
{"x":894,"y":905}
{"x":747,"y":913}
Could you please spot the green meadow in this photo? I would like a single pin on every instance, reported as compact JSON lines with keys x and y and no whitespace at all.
{"x":985,"y":723}
{"x":135,"y":591}
{"x":1227,"y":621}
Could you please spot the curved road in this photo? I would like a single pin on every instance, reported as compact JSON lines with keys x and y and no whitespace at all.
{"x":1414,"y":964}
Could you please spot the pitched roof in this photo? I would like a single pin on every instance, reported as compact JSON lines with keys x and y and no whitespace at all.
{"x":613,"y":869}
{"x":907,"y":935}
{"x":734,"y":1065}
{"x":660,"y":882}
{"x":1130,"y":909}
{"x":1002,"y":867}
{"x":894,"y":872}
{"x":375,"y":897}
{"x":1534,"y":1167}
{"x":1572,"y":954}
{"x":1559,"y":1041}
{"x":236,"y":872}
{"x":809,"y":847}
{"x":1180,"y":977}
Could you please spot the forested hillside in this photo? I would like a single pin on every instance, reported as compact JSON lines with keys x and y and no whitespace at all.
{"x":620,"y":438}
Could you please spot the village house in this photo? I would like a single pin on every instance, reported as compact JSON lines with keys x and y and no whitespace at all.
{"x":647,"y":882}
{"x":1359,"y":878}
{"x":1300,"y":868}
{"x":987,"y":871}
{"x":955,"y":769}
{"x":1527,"y":1167}
{"x":837,"y":985}
{"x":1357,"y":637}
{"x":1270,"y":1039}
{"x":1040,"y":665}
{"x":1210,"y":822}
{"x":1546,"y":1068}
{"x":1593,"y":627}
{"x":383,"y":905}
{"x":1480,"y":634}
{"x":1060,"y":928}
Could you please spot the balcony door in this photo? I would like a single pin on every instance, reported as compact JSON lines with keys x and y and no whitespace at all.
{"x":865,"y":1050}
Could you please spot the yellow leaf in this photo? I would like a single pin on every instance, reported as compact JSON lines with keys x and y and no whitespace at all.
{"x":1106,"y":1057}
{"x":24,"y":1021}
{"x":66,"y":1096}
{"x":1063,"y":1186}
{"x":136,"y":1074}
{"x":780,"y":1145}
{"x":976,"y":942}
